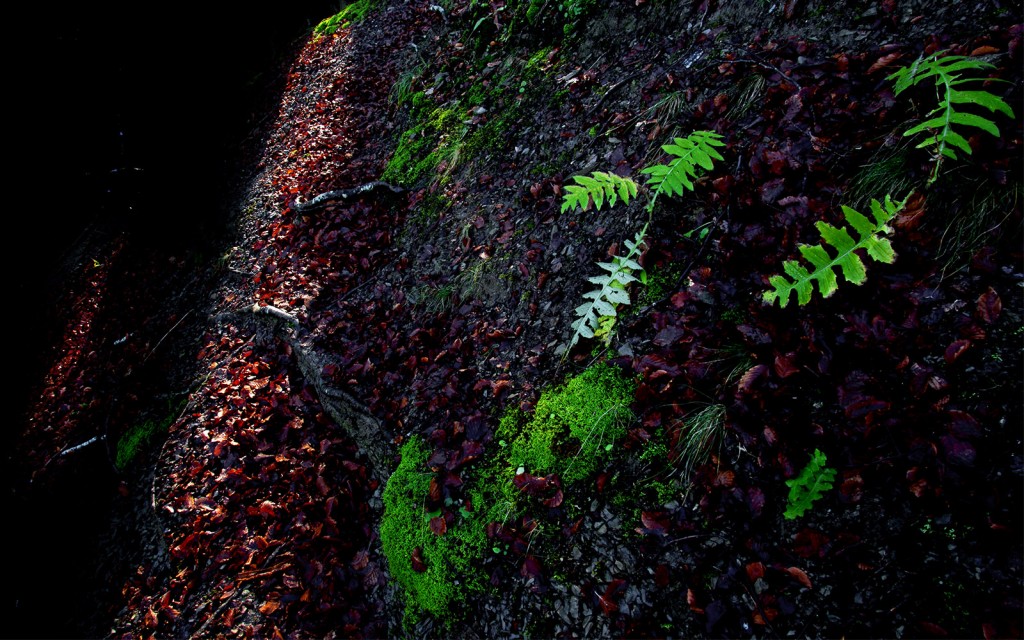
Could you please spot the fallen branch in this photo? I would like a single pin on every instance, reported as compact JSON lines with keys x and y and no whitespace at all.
{"x":324,"y":199}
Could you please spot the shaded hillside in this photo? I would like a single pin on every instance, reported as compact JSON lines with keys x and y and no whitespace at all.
{"x":405,"y":417}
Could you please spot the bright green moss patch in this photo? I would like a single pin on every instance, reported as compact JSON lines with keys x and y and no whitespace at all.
{"x":451,"y":560}
{"x":354,"y":12}
{"x":433,"y":139}
{"x":574,"y":428}
{"x":572,"y":433}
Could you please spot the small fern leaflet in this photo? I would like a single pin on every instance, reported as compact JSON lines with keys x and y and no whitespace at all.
{"x":696,"y":150}
{"x":849,"y":263}
{"x":814,"y":480}
{"x":946,"y":72}
{"x":610,"y":293}
{"x":599,"y":187}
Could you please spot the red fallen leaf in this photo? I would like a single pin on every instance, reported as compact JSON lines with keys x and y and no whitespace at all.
{"x":989,"y":306}
{"x":470,"y":450}
{"x":963,"y":424}
{"x":988,"y":630}
{"x":912,"y":214}
{"x":956,"y":349}
{"x":150,"y":620}
{"x":755,"y":570}
{"x":725,"y":479}
{"x":751,"y":376}
{"x":435,"y":490}
{"x":691,"y":601}
{"x":452,"y":480}
{"x":918,"y":487}
{"x":984,"y":50}
{"x":417,"y":560}
{"x":958,"y":451}
{"x":608,"y":604}
{"x":852,"y":486}
{"x":360,"y":560}
{"x":809,"y":542}
{"x":661,"y":576}
{"x":785,"y":365}
{"x":755,"y":500}
{"x":800,"y":576}
{"x":555,"y":500}
{"x":531,"y":567}
{"x":932,"y":629}
{"x":499,"y":387}
{"x":269,"y":607}
{"x":884,"y":62}
{"x":438,"y":526}
{"x":530,"y":484}
{"x":653,"y":523}
{"x":321,"y":484}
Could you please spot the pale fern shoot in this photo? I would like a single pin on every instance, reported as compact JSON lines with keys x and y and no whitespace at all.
{"x":610,"y":293}
{"x":693,"y":154}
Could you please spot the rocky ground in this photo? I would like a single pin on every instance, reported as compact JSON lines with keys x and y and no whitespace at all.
{"x":428,"y":315}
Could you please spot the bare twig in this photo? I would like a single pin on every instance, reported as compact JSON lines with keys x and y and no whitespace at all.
{"x":161,"y":340}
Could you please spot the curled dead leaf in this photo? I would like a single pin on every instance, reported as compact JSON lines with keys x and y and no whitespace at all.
{"x":800,"y":576}
{"x":691,"y":601}
{"x":989,"y":306}
{"x":751,"y":376}
{"x":956,"y":349}
{"x":984,"y":50}
{"x":418,"y":565}
{"x":884,"y":62}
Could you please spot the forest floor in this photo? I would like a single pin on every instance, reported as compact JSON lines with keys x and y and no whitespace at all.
{"x":444,"y":315}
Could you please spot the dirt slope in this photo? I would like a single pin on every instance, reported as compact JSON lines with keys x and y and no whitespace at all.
{"x":412,"y":326}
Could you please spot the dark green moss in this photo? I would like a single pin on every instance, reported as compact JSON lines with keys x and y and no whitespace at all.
{"x":355,"y":12}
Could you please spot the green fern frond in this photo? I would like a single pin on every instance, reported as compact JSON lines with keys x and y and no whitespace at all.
{"x":814,"y":480}
{"x":850,"y":263}
{"x":693,"y":151}
{"x":946,"y":71}
{"x":599,"y":187}
{"x":610,"y":293}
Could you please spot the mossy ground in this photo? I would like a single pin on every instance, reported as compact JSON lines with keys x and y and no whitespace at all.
{"x":354,"y":12}
{"x":572,"y":432}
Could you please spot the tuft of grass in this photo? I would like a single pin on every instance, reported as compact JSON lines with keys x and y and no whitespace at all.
{"x":402,"y":91}
{"x":744,"y":95}
{"x":976,"y":214}
{"x":887,"y":172}
{"x":700,"y":435}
